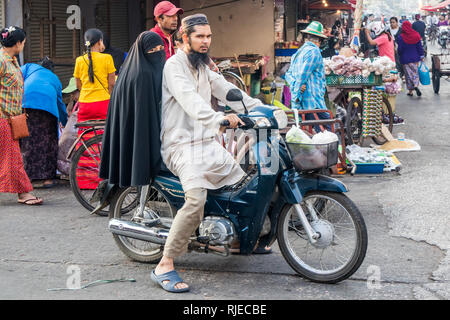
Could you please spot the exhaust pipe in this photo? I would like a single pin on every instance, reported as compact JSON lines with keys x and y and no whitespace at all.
{"x":137,"y":231}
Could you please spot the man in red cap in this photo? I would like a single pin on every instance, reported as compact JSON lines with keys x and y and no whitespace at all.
{"x":166,"y":16}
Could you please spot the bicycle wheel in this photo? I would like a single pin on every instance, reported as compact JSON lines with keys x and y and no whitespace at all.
{"x":342,"y":245}
{"x":234,"y":79}
{"x":84,"y":170}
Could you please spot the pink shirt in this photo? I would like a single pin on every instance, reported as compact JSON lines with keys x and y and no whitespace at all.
{"x":385,"y":47}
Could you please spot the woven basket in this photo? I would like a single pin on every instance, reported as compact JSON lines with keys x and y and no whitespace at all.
{"x":334,"y":80}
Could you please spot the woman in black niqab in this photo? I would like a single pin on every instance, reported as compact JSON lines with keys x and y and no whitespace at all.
{"x":131,"y":146}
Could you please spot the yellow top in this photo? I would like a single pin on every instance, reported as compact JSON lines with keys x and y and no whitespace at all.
{"x":103,"y":66}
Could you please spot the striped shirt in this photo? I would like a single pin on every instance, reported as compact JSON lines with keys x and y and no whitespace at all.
{"x":11,"y":86}
{"x":307,"y":69}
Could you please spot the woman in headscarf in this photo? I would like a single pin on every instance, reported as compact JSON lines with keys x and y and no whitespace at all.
{"x":131,"y":154}
{"x":411,"y":52}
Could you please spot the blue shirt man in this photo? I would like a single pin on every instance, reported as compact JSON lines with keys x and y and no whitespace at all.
{"x":306,"y":75}
{"x":307,"y":69}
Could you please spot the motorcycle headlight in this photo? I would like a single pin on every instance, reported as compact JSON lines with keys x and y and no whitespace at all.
{"x":281,"y":118}
{"x":262,"y":123}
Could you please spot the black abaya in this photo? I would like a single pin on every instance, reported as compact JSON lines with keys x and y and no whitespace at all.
{"x":131,"y":143}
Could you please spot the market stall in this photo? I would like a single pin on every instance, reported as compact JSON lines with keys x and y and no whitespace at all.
{"x":251,"y":68}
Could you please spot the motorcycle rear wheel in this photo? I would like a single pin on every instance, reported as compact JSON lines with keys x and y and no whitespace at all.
{"x":138,"y":250}
{"x":290,"y":231}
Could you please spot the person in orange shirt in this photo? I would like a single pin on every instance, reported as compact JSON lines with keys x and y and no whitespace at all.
{"x":166,"y":16}
{"x":95,"y":78}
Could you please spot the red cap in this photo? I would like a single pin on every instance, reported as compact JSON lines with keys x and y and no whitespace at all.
{"x":167,"y":8}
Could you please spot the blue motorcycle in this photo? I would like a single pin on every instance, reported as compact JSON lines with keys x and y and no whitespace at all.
{"x":283,"y":197}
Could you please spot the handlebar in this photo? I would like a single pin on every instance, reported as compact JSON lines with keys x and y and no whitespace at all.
{"x":248,"y":122}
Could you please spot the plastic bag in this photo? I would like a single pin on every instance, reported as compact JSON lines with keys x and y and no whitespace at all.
{"x":297,"y":135}
{"x":68,"y":137}
{"x":424,"y":74}
{"x":324,"y":137}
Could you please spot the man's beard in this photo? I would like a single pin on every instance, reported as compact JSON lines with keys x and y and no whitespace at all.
{"x":198,"y":59}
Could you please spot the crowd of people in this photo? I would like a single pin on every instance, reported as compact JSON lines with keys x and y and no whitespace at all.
{"x":400,"y":40}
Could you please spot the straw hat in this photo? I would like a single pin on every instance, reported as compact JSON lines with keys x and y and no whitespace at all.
{"x":316,"y":29}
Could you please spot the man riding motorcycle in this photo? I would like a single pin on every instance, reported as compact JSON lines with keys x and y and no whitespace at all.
{"x":188,"y":146}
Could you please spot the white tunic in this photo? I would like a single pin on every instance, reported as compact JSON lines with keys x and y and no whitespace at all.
{"x":189,"y":125}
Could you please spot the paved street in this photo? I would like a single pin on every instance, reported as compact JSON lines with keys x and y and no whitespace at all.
{"x":406,"y":215}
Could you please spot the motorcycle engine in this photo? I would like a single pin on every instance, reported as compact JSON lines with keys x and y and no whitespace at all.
{"x":219,"y":230}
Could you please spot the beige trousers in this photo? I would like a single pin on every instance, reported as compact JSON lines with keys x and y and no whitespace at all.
{"x":186,"y":221}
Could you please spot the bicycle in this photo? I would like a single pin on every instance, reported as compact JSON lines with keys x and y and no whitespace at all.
{"x":224,"y":68}
{"x":85,"y":156}
{"x":354,"y":113}
{"x":86,"y":147}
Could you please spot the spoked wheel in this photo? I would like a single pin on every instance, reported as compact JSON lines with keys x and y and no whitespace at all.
{"x":84,"y":169}
{"x":388,"y":114}
{"x":156,"y":203}
{"x":353,"y":121}
{"x":342,"y":245}
{"x":234,"y":79}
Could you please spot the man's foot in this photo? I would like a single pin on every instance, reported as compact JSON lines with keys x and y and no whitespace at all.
{"x":169,"y":281}
{"x":163,"y":268}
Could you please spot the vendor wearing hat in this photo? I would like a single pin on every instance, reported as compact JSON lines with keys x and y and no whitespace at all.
{"x":74,"y":93}
{"x":306,"y":75}
{"x":166,"y":16}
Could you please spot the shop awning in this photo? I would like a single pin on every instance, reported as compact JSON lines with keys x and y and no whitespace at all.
{"x":441,"y":6}
{"x":330,"y":5}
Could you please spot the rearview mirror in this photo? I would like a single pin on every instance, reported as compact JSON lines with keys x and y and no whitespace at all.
{"x":234,"y":95}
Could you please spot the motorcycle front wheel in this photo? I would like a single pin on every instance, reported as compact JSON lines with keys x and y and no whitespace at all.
{"x":342,"y":245}
{"x":139,"y":250}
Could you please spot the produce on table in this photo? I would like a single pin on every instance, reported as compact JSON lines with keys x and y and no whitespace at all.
{"x":355,"y":66}
{"x":393,"y":88}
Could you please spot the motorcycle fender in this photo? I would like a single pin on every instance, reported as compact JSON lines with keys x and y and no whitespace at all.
{"x":295,"y":187}
{"x":321,"y":183}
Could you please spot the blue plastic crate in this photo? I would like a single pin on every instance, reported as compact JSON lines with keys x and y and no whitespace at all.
{"x":375,"y":167}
